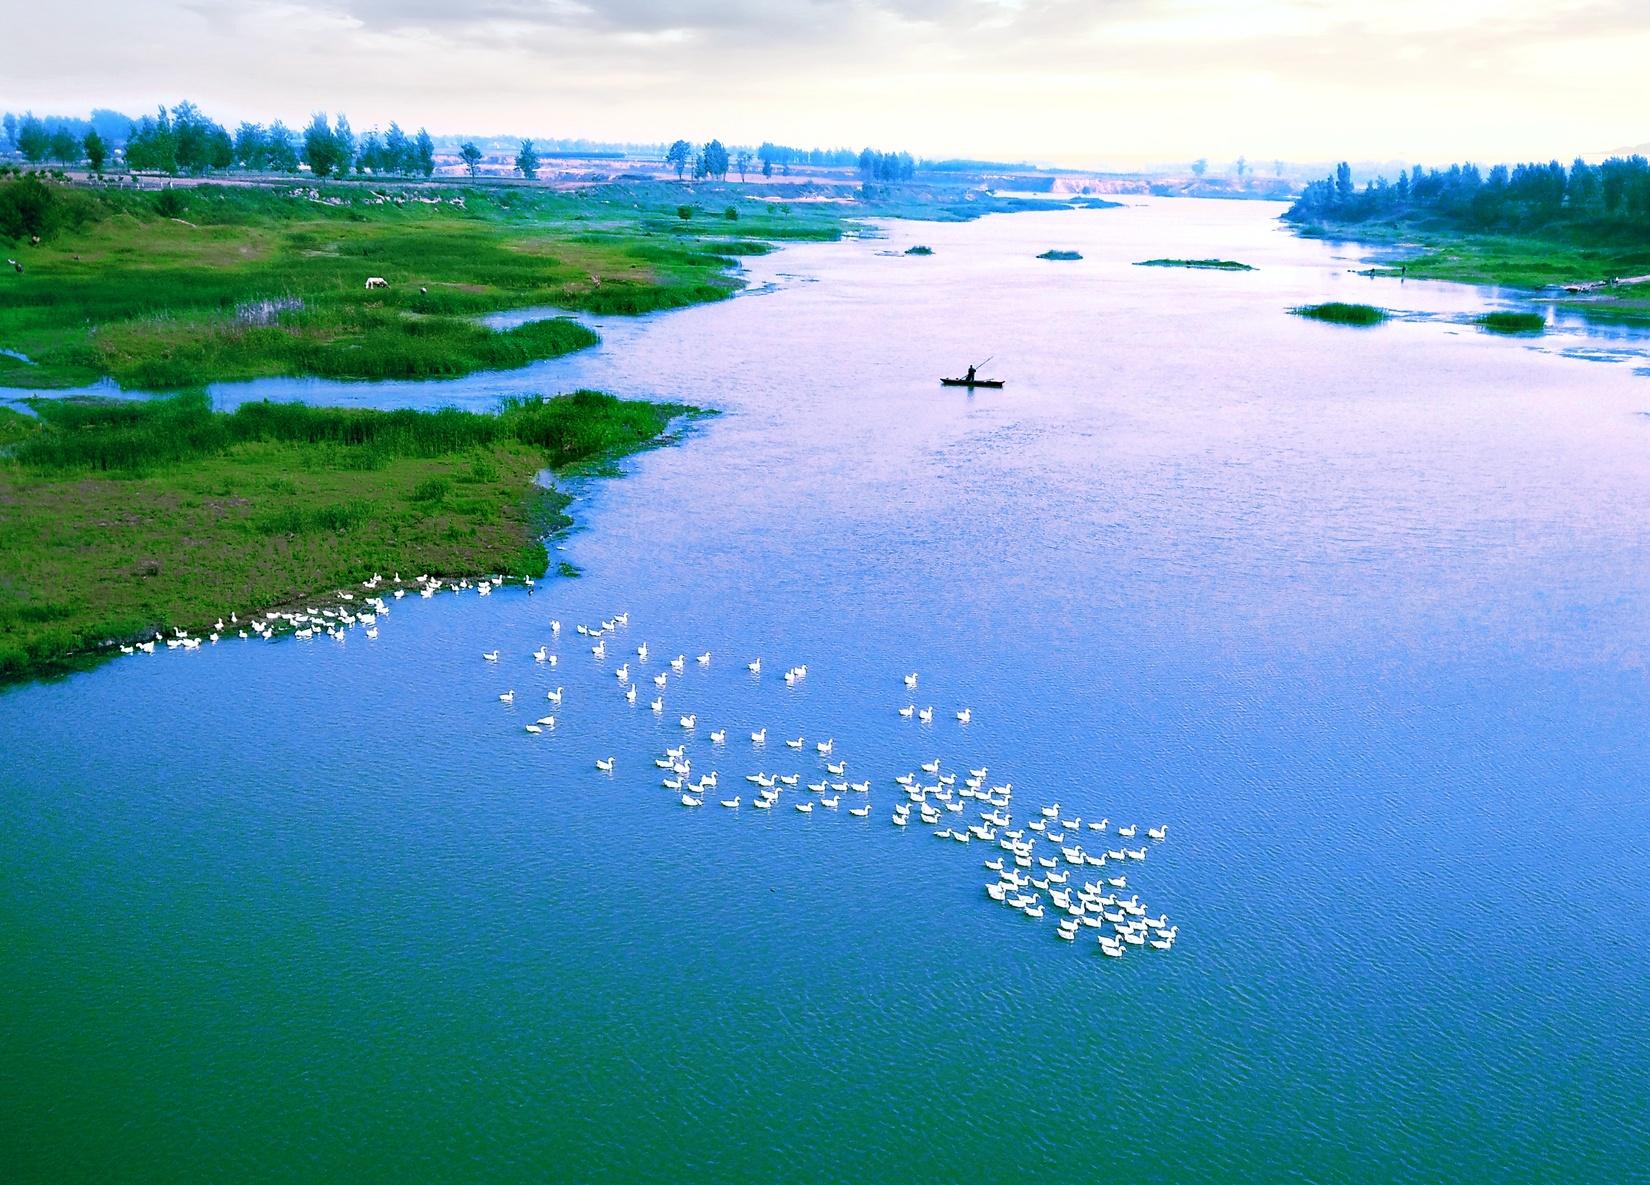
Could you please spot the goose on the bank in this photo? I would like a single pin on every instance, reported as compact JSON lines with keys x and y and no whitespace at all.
{"x":605,"y":766}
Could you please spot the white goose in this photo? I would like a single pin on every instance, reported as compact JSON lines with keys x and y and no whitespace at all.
{"x":911,"y":680}
{"x":1158,"y":832}
{"x":754,"y":666}
{"x":508,"y":697}
{"x":676,"y":664}
{"x":908,"y":711}
{"x":540,"y":654}
{"x":689,"y":721}
{"x":704,"y":659}
{"x":554,"y":696}
{"x":605,"y":766}
{"x":490,"y":655}
{"x":717,"y":737}
{"x":796,"y":744}
{"x":732,"y":803}
{"x":964,"y":716}
{"x":760,"y":737}
{"x":658,"y":705}
{"x":926,"y":715}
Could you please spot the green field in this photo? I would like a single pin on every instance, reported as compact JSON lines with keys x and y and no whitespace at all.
{"x":172,"y":290}
{"x":118,"y":519}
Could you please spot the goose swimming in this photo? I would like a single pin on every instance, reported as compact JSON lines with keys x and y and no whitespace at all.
{"x":732,"y":803}
{"x":838,"y":769}
{"x":860,"y":812}
{"x":605,"y":766}
{"x":689,"y":721}
{"x":540,"y":654}
{"x":796,"y":744}
{"x":658,"y":705}
{"x":547,"y":721}
{"x":964,"y":716}
{"x":533,"y":728}
{"x":926,"y":715}
{"x":760,"y":736}
{"x":826,"y":746}
{"x":717,"y":737}
{"x":508,"y":697}
{"x":911,"y":679}
{"x":490,"y":655}
{"x":704,"y":659}
{"x":805,"y":807}
{"x":908,"y":711}
{"x":1158,"y":832}
{"x":754,"y":666}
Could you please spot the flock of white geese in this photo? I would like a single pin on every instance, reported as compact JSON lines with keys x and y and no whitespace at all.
{"x":1039,"y":868}
{"x":352,"y":611}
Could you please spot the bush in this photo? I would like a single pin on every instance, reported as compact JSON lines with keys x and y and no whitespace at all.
{"x":1060,"y":255}
{"x":1513,"y":322}
{"x":684,"y":212}
{"x":1339,"y":313}
{"x":731,"y":213}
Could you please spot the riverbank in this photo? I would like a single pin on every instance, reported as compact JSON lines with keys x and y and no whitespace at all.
{"x":1573,"y":273}
{"x":180,"y":288}
{"x":122,"y":519}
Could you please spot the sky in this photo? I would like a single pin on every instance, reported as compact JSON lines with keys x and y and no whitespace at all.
{"x":1086,"y":83}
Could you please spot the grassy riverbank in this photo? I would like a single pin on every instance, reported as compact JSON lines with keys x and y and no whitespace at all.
{"x":170,"y":290}
{"x":1555,"y":259}
{"x":175,"y":289}
{"x":118,"y":518}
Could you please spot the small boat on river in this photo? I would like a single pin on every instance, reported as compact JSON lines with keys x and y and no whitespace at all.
{"x":972,"y":379}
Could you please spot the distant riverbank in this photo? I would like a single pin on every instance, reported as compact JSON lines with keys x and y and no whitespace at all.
{"x":1607,"y":281}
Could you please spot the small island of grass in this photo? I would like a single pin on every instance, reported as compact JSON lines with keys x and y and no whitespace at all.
{"x":121,"y":518}
{"x":1512,"y":322}
{"x":919,"y":249}
{"x":1060,"y":255}
{"x":1213,"y":265}
{"x":1340,"y":313}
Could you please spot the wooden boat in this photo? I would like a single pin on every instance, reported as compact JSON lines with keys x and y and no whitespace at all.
{"x":994,"y":383}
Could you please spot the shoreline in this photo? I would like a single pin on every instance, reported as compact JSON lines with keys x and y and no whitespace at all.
{"x":275,"y":526}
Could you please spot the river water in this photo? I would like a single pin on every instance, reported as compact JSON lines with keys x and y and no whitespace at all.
{"x":1362,"y":615}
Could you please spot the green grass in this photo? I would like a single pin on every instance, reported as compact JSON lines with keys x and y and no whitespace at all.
{"x":1060,"y":255}
{"x":1339,"y":313}
{"x":1219,"y":265}
{"x":251,"y":282}
{"x":121,"y":518}
{"x":1512,"y":322}
{"x":919,"y":250}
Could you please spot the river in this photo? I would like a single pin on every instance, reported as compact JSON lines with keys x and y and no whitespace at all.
{"x":1360,"y":614}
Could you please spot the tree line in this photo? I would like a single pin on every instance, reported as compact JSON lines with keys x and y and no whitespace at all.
{"x":184,"y":140}
{"x":1516,"y":197}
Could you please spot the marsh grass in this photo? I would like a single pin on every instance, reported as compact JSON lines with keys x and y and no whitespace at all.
{"x":1340,"y":313}
{"x":119,"y":518}
{"x":1060,"y":255}
{"x":1512,"y":322}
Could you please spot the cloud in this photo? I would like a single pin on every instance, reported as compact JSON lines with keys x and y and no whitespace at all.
{"x":1095,"y":80}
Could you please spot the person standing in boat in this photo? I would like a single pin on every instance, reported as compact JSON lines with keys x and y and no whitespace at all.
{"x":971,"y":374}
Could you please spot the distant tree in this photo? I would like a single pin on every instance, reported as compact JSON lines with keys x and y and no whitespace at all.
{"x":699,"y":169}
{"x":151,"y":146}
{"x":280,"y":149}
{"x":678,"y":156}
{"x":424,"y":154}
{"x":1277,"y":168}
{"x":742,"y":162}
{"x":344,"y":140}
{"x":320,"y":149}
{"x":716,"y":160}
{"x":471,"y":156}
{"x":527,"y":161}
{"x":65,"y":149}
{"x":1199,"y":167}
{"x":33,"y":141}
{"x":251,"y":152}
{"x":370,"y":157}
{"x":8,"y":128}
{"x":1343,"y":181}
{"x":399,"y":154}
{"x":96,"y":150}
{"x":1242,"y":166}
{"x":767,"y":168}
